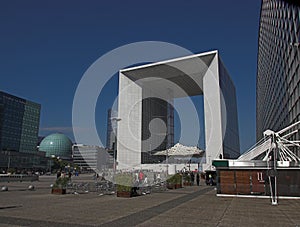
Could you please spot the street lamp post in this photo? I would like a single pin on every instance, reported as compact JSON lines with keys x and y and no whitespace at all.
{"x":114,"y":155}
{"x":275,"y":150}
{"x":8,"y":164}
{"x":167,"y":161}
{"x":51,"y":160}
{"x":50,"y":165}
{"x":115,"y":146}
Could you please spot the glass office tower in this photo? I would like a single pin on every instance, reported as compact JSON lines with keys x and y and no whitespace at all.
{"x":278,"y":73}
{"x":155,"y":108}
{"x":19,"y":124}
{"x":111,"y":129}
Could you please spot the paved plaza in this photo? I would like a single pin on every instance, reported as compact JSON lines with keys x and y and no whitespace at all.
{"x":189,"y":206}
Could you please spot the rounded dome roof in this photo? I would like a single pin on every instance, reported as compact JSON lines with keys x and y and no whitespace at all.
{"x":57,"y":144}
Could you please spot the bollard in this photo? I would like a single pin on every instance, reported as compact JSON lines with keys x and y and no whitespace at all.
{"x":4,"y":188}
{"x":31,"y":187}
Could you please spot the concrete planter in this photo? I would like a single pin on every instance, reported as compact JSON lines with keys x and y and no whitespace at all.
{"x":170,"y":186}
{"x":178,"y":186}
{"x":58,"y":191}
{"x":124,"y":194}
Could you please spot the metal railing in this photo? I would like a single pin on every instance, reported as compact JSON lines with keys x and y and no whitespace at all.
{"x":17,"y":177}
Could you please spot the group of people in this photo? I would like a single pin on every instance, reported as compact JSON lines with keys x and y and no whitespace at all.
{"x":191,"y":175}
{"x":141,"y":182}
{"x":62,"y":174}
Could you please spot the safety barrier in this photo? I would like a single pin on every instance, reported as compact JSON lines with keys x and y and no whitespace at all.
{"x":17,"y":177}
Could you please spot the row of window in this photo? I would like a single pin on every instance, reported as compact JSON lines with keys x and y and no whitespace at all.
{"x":278,"y":66}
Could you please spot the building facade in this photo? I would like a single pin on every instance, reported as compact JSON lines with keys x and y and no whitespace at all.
{"x":153,"y":108}
{"x":278,"y":73}
{"x":19,"y":127}
{"x":111,"y":129}
{"x":91,"y":158}
{"x":19,"y":124}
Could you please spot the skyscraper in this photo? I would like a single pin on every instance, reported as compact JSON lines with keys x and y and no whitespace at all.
{"x":19,"y":124}
{"x":278,"y":73}
{"x":111,"y":129}
{"x":19,"y":127}
{"x":153,"y":108}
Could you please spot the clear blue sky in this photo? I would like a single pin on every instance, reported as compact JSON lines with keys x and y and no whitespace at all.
{"x":46,"y":46}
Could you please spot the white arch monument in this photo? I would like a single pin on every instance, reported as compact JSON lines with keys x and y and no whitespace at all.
{"x":145,"y":110}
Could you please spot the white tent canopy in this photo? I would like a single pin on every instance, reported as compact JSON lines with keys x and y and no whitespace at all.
{"x":181,"y":150}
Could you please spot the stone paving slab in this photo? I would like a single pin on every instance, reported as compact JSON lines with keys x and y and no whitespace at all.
{"x":190,"y":206}
{"x":209,"y":210}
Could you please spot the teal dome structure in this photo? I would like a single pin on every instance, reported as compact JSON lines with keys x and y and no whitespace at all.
{"x":58,"y":145}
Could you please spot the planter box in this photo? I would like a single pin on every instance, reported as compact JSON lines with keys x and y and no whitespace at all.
{"x":124,"y":194}
{"x":171,"y":186}
{"x":58,"y":191}
{"x":187,"y":184}
{"x":174,"y":186}
{"x":178,"y":186}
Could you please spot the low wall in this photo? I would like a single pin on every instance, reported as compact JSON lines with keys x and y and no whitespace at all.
{"x":17,"y":177}
{"x":172,"y":168}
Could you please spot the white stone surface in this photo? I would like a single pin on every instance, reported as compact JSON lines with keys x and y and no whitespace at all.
{"x":196,"y":75}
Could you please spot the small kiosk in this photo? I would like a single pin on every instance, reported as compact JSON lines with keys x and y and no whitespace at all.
{"x":271,"y":168}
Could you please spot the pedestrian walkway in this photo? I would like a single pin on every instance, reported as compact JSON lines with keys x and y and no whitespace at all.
{"x":189,"y":206}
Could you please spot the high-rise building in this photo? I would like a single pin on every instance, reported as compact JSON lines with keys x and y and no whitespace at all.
{"x":91,"y":157}
{"x":111,"y":129}
{"x":19,"y":124}
{"x":278,"y":73}
{"x":154,"y":108}
{"x":19,"y":127}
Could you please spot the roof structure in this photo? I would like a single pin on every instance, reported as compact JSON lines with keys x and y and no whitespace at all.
{"x":262,"y":154}
{"x":156,"y":75}
{"x":263,"y":149}
{"x":181,"y":150}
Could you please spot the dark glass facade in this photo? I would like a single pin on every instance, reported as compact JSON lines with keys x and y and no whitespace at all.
{"x":19,"y":127}
{"x":278,"y":73}
{"x":155,"y":108}
{"x":111,"y":129}
{"x":19,"y":161}
{"x":19,"y":124}
{"x":231,"y":142}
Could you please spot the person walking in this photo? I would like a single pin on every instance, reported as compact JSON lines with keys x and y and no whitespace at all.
{"x":192,"y":178}
{"x":145,"y":186}
{"x":198,"y":179}
{"x":141,"y":177}
{"x":210,"y":179}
